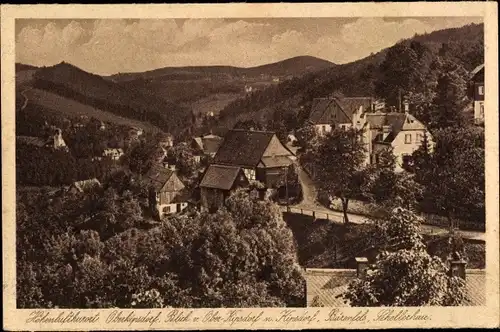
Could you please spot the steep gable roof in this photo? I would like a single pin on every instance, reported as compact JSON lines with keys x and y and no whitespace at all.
{"x":220,"y":177}
{"x":352,"y":104}
{"x":337,"y":110}
{"x":243,"y":148}
{"x":209,"y":143}
{"x":327,"y":111}
{"x":163,"y":178}
{"x":396,"y":121}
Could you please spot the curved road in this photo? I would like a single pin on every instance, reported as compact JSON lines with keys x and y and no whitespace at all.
{"x":310,"y":204}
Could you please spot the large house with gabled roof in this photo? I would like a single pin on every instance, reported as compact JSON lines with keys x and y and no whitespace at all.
{"x":333,"y":111}
{"x":399,"y":131}
{"x":257,"y":155}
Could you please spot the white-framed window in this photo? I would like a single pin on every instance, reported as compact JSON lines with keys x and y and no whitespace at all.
{"x":407,"y":138}
{"x":166,"y":209}
{"x":481,"y":90}
{"x":481,"y":110}
{"x":249,"y":173}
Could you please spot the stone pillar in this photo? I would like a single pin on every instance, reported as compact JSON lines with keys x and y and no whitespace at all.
{"x":457,"y":268}
{"x":361,"y":266}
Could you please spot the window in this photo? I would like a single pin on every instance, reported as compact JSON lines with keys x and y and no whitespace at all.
{"x":481,"y":110}
{"x":407,"y":138}
{"x":481,"y":90}
{"x":324,"y":129}
{"x":420,"y":137}
{"x":166,"y":209}
{"x":249,"y":173}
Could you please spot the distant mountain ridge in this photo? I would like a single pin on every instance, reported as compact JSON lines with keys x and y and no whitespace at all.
{"x":292,"y":66}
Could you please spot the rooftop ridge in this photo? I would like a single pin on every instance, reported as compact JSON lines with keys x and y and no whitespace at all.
{"x":254,"y":131}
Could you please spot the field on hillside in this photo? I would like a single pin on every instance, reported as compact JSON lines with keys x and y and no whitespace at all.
{"x":213,"y":103}
{"x":61,"y":105}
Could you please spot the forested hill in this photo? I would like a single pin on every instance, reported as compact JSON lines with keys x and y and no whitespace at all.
{"x":412,"y":65}
{"x":295,"y":66}
{"x":71,"y":85}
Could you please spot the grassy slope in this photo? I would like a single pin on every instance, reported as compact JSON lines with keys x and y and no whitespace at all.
{"x":71,"y":108}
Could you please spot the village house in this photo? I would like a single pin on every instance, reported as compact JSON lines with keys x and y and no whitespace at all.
{"x":326,"y":112}
{"x":56,"y":141}
{"x":218,"y":182}
{"x":476,"y":88}
{"x":114,"y":154}
{"x":166,"y":191}
{"x":206,"y":145}
{"x":258,"y":155}
{"x":325,"y":287}
{"x":399,"y":131}
{"x":84,"y":185}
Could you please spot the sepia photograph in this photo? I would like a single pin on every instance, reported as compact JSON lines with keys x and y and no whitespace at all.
{"x":234,"y":162}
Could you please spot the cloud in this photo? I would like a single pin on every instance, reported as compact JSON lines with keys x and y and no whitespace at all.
{"x":116,"y":45}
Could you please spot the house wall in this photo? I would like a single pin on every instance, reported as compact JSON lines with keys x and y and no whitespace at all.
{"x":401,"y":148}
{"x":168,"y":209}
{"x":166,"y":197}
{"x":212,"y":198}
{"x":323,"y":129}
{"x":273,"y":176}
{"x":479,"y":111}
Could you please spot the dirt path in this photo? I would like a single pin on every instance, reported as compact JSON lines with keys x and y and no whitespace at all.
{"x":310,"y":205}
{"x":23,"y":93}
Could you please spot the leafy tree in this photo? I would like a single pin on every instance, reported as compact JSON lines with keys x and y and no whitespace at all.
{"x":141,"y":157}
{"x":182,"y":156}
{"x":404,"y":273}
{"x":450,"y":100}
{"x":401,"y":73}
{"x":340,"y":157}
{"x":453,"y":174}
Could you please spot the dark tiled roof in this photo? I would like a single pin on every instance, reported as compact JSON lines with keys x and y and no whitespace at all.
{"x":208,"y":144}
{"x":396,"y":121}
{"x":31,"y":140}
{"x":276,"y":161}
{"x":352,"y":104}
{"x":220,"y":177}
{"x":328,"y":285}
{"x":243,"y":148}
{"x":337,"y":110}
{"x":327,"y":111}
{"x":157,"y":176}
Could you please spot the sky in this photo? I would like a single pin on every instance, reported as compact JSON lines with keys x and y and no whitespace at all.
{"x":109,"y":46}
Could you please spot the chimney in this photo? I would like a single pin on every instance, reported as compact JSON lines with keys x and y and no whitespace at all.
{"x":361,"y":266}
{"x":457,"y":268}
{"x":406,"y":105}
{"x":385,"y":131}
